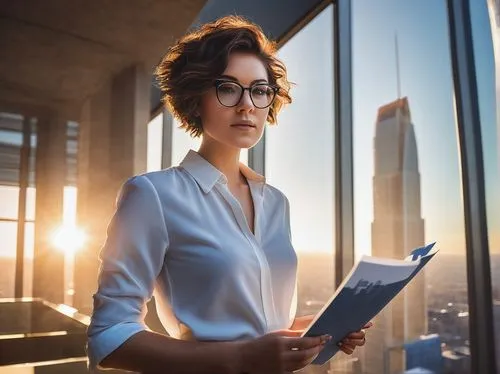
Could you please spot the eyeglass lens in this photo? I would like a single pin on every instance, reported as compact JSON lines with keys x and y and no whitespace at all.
{"x":230,"y":93}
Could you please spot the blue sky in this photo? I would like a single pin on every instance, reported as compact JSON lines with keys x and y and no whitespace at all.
{"x":426,"y":79}
{"x":299,"y":151}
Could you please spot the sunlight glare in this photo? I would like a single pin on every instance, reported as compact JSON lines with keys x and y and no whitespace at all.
{"x":69,"y":239}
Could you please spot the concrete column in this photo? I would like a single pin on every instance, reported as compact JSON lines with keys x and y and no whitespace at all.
{"x":112,"y":148}
{"x":95,"y":195}
{"x":130,"y":114}
{"x":48,"y":262}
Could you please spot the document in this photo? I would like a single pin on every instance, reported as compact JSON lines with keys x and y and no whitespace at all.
{"x":372,"y":283}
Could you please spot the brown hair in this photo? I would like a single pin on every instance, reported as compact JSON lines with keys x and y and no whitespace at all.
{"x":194,"y":62}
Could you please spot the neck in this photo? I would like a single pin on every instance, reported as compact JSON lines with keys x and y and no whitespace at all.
{"x":225,"y":159}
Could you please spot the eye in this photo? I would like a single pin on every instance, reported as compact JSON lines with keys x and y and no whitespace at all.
{"x":227,"y":88}
{"x":261,"y":90}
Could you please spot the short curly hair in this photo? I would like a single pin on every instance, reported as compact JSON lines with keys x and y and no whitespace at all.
{"x":194,"y":62}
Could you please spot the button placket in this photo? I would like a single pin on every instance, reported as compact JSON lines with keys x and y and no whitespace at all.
{"x":254,"y":240}
{"x":267,"y":292}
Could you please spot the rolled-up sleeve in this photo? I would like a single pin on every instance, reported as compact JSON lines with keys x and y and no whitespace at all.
{"x":131,"y":259}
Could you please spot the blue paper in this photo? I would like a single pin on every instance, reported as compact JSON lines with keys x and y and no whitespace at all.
{"x":369,"y":287}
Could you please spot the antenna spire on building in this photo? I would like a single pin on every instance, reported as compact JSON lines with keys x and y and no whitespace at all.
{"x":398,"y":77}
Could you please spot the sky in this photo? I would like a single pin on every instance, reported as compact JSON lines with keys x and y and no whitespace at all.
{"x":299,"y":150}
{"x":426,"y":79}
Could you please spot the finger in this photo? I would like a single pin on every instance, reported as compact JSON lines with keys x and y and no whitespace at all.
{"x":296,"y":360}
{"x":347,"y":350}
{"x":355,"y":342}
{"x":368,"y":325}
{"x":305,"y":342}
{"x":357,"y":335}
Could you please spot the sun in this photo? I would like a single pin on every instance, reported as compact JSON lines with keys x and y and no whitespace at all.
{"x":69,"y":239}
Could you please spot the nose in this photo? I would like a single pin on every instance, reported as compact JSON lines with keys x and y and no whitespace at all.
{"x":246,"y":104}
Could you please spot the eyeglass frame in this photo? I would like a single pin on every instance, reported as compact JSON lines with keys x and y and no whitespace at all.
{"x":219,"y":82}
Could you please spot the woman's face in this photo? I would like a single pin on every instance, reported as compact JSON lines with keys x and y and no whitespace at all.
{"x":242,"y":125}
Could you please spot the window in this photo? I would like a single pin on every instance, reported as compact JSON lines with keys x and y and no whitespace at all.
{"x":155,"y":143}
{"x":407,"y":182}
{"x":182,"y":142}
{"x":487,"y":59}
{"x":299,"y":160}
{"x":10,"y":143}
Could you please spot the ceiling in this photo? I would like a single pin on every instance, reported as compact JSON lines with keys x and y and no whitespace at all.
{"x":56,"y":53}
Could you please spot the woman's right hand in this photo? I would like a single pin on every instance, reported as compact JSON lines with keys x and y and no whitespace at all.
{"x":279,"y":352}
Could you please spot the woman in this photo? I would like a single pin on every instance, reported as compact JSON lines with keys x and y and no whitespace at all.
{"x":210,"y":236}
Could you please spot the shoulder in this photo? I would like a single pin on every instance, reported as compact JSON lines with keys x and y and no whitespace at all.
{"x":164,"y":184}
{"x":160,"y":177}
{"x":172,"y":179}
{"x":147,"y":183}
{"x":275,"y":194}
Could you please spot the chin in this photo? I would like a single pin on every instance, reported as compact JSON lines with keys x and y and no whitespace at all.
{"x":245,"y":143}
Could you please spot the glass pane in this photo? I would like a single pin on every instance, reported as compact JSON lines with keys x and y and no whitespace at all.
{"x":8,"y":233}
{"x":155,"y":143}
{"x":407,"y":182}
{"x":486,"y":36}
{"x":13,"y":138}
{"x":9,"y":202}
{"x":182,"y":142}
{"x":29,"y":248}
{"x":299,"y":160}
{"x":70,"y":239}
{"x":10,"y":142}
{"x":72,"y":130}
{"x":30,"y":203}
{"x":32,"y":160}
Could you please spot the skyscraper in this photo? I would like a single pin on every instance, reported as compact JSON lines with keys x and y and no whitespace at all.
{"x":397,"y":228}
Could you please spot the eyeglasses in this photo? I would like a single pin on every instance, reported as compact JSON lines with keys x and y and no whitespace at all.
{"x":229,"y":93}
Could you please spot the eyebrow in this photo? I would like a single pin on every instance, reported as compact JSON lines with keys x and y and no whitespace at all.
{"x":230,"y":77}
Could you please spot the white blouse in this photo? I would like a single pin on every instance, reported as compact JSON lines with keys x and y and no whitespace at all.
{"x":181,"y":234}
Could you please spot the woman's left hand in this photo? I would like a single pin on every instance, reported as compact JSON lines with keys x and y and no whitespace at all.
{"x":354,"y":339}
{"x":346,"y":345}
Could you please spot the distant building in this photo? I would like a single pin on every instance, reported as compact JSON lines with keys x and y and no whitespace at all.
{"x":397,"y":228}
{"x":457,"y":361}
{"x":496,"y":319}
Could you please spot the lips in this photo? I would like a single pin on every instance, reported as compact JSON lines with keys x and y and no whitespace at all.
{"x":243,"y":124}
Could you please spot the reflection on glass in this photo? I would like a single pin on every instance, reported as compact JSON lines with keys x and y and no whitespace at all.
{"x":299,"y":161}
{"x":407,"y":182}
{"x":486,"y":36}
